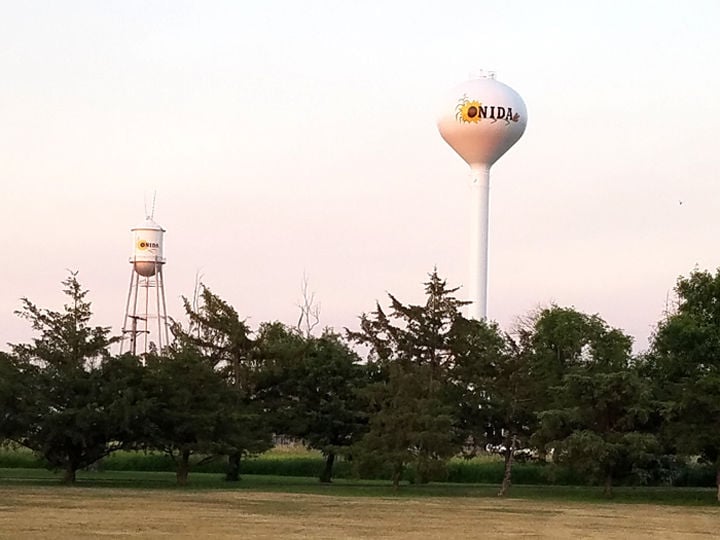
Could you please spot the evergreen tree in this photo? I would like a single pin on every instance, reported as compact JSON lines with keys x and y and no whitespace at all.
{"x":494,"y":391}
{"x":411,"y":418}
{"x":409,"y":424}
{"x":224,"y":340}
{"x":73,"y":414}
{"x":193,"y":412}
{"x":312,"y":385}
{"x":12,"y":397}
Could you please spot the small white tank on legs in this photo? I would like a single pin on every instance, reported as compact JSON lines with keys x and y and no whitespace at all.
{"x":147,"y":252}
{"x":145,"y":326}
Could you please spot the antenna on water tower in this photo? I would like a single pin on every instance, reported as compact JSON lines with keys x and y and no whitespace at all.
{"x":481,"y":119}
{"x":146,"y":310}
{"x":151,"y":214}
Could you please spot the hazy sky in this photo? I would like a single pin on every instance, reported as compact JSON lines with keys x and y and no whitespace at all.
{"x":290,"y":137}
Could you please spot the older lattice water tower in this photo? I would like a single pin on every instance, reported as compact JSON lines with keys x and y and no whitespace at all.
{"x":481,"y":119}
{"x":146,"y":318}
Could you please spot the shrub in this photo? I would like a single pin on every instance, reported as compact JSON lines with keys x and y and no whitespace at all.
{"x":14,"y":457}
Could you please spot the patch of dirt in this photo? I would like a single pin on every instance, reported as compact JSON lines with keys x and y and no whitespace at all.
{"x":35,"y":512}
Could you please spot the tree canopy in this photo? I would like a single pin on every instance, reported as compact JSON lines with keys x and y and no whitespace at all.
{"x":413,"y":387}
{"x":313,"y":385}
{"x":70,"y":409}
{"x":686,"y":360}
{"x":411,"y":421}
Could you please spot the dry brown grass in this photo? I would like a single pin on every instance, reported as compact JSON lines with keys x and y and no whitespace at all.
{"x":47,"y":512}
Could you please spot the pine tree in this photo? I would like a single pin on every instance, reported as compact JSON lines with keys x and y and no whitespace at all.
{"x":224,"y":341}
{"x":411,"y":420}
{"x":312,"y":385}
{"x":73,"y":414}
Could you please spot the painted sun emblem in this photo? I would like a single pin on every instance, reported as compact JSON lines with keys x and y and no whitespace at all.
{"x":142,"y":245}
{"x":468,"y":111}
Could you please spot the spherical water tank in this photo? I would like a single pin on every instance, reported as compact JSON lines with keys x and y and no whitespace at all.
{"x":481,"y":119}
{"x":147,"y":251}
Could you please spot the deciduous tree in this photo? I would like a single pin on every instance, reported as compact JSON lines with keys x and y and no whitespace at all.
{"x":686,"y":367}
{"x":597,"y":420}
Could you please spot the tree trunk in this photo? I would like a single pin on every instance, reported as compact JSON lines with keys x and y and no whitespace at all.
{"x":233,"y":470}
{"x":183,"y":468}
{"x":717,"y":482}
{"x":69,"y":474}
{"x":326,"y":474}
{"x":422,"y":468}
{"x":421,"y":477}
{"x":608,"y":491}
{"x":507,"y":475}
{"x":397,"y":475}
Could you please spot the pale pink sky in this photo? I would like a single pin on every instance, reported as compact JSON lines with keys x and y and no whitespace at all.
{"x":287,"y":137}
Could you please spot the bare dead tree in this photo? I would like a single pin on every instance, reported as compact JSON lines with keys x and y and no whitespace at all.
{"x":197,"y":291}
{"x":523,"y":325}
{"x":309,"y":309}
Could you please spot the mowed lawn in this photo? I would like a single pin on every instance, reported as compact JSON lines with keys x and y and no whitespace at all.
{"x":32,"y":511}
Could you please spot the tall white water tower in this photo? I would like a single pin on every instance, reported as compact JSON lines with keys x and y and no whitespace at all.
{"x":146,"y":318}
{"x":481,"y":119}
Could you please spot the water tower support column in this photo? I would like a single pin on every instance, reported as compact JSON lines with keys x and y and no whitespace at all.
{"x":164,"y":307}
{"x":480,"y":209}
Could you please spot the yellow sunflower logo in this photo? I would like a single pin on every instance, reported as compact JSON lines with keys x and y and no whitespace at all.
{"x":468,"y":111}
{"x":142,"y":245}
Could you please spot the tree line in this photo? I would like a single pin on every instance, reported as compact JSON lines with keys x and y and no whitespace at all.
{"x":414,"y":386}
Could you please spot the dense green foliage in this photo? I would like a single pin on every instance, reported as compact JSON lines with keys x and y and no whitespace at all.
{"x":192,"y":411}
{"x":685,"y":361}
{"x":492,"y":386}
{"x":313,"y":386}
{"x":600,"y":407}
{"x":12,"y":397}
{"x":411,"y":415}
{"x":74,"y":407}
{"x":221,"y":339}
{"x":561,"y":398}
